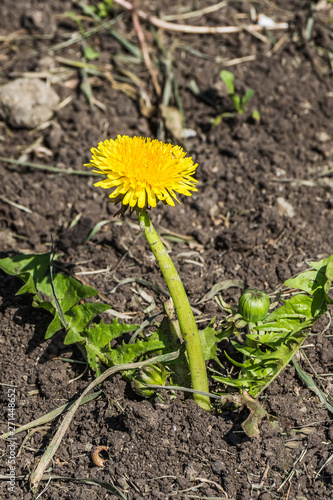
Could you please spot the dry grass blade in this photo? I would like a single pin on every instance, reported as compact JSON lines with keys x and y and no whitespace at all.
{"x":77,"y":37}
{"x":53,"y":76}
{"x":48,"y":168}
{"x":196,"y":13}
{"x":324,"y":465}
{"x":326,"y":173}
{"x":218,"y":287}
{"x":239,"y":60}
{"x":180,"y":237}
{"x":157,"y":288}
{"x":293,"y":470}
{"x":312,"y":386}
{"x":182,"y":389}
{"x":145,"y":53}
{"x":90,"y":481}
{"x":118,"y":314}
{"x":199,"y":30}
{"x":93,"y":69}
{"x":305,"y":182}
{"x":96,"y":228}
{"x":50,"y":416}
{"x":207,"y":498}
{"x":16,"y":205}
{"x":98,"y":271}
{"x":103,"y":72}
{"x":37,"y":474}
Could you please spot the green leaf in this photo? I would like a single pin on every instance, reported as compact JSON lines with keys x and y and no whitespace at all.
{"x":280,"y":325}
{"x":256,"y":115}
{"x":237,"y":103}
{"x":228,"y":79}
{"x":127,"y":353}
{"x":271,"y":355}
{"x":102,"y":334}
{"x":270,"y":338}
{"x":55,"y":300}
{"x":225,"y":334}
{"x":247,"y":96}
{"x":90,"y":53}
{"x":236,"y":363}
{"x":321,"y":264}
{"x":244,"y":349}
{"x":53,"y":327}
{"x":309,"y":281}
{"x":169,"y":333}
{"x":96,"y":339}
{"x":68,"y":291}
{"x":283,"y":331}
{"x":63,"y":298}
{"x":260,"y":373}
{"x":209,"y":339}
{"x":329,"y":270}
{"x":30,"y":268}
{"x":79,"y":319}
{"x":298,"y":306}
{"x":328,"y":284}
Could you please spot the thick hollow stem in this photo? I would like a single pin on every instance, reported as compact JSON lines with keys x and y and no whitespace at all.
{"x":184,"y":312}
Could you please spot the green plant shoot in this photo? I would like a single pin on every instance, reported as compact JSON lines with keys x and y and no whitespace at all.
{"x":239,"y":102}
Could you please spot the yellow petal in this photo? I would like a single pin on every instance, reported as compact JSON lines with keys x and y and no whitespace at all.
{"x":143,"y":171}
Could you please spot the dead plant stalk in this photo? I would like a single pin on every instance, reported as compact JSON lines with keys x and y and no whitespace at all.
{"x":198,"y":30}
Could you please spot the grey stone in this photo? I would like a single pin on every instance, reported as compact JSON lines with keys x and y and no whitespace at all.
{"x":27,"y":103}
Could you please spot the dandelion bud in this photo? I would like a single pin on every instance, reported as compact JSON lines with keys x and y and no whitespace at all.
{"x":253,"y":305}
{"x":152,"y":374}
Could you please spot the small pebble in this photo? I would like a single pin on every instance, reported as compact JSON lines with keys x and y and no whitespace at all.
{"x":27,"y":103}
{"x":285,"y":208}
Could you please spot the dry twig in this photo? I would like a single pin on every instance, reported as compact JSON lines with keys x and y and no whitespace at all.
{"x":145,"y":53}
{"x":198,"y":30}
{"x":197,"y":13}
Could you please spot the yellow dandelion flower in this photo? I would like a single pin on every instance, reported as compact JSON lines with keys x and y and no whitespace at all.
{"x":143,"y":171}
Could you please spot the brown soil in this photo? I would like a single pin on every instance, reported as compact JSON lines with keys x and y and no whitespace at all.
{"x":235,"y":229}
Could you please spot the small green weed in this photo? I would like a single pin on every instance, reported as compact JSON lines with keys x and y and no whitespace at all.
{"x":101,"y":9}
{"x":239,"y":103}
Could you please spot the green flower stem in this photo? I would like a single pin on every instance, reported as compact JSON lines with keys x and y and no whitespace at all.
{"x":184,"y":312}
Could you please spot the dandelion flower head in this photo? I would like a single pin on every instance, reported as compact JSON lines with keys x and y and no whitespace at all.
{"x":143,"y":171}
